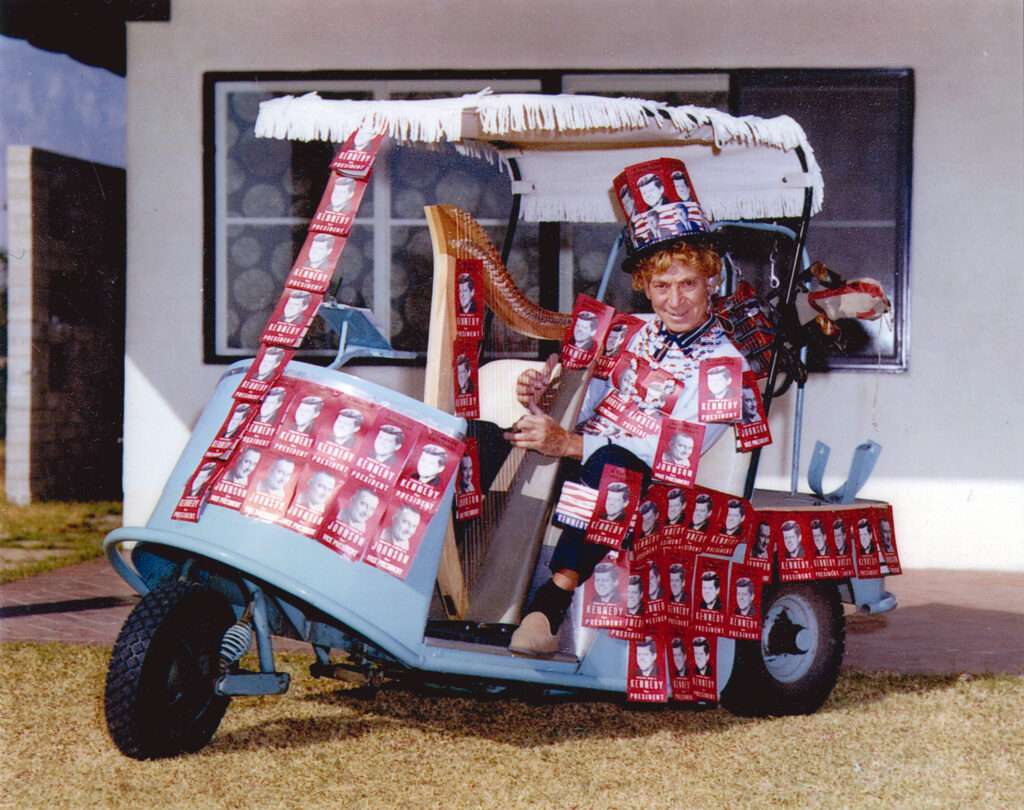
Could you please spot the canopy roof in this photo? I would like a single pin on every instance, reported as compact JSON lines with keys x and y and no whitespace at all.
{"x":567,"y":148}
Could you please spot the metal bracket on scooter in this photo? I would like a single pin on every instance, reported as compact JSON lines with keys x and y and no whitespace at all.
{"x":864,"y":458}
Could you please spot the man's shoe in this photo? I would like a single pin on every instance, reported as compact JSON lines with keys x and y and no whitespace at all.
{"x":534,"y":636}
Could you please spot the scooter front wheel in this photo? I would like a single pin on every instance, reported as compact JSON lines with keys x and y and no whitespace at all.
{"x":159,"y":698}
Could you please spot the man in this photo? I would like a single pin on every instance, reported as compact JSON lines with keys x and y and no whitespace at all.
{"x":675,"y":507}
{"x":430,"y":465}
{"x":465,"y":482}
{"x":295,"y":307}
{"x":886,"y":530}
{"x":748,"y":400}
{"x":791,"y":540}
{"x":341,"y":195}
{"x":734,"y":514}
{"x":820,"y":541}
{"x":464,"y":374}
{"x":583,"y":331}
{"x":627,"y":380}
{"x":702,"y":657}
{"x":247,"y":461}
{"x":648,"y":518}
{"x":306,"y":412}
{"x":677,"y":584}
{"x":271,"y":359}
{"x":680,"y":449}
{"x":320,"y":251}
{"x":403,"y":526}
{"x":467,"y":305}
{"x":386,"y":445}
{"x":720,"y":382}
{"x":199,"y":480}
{"x":654,"y":588}
{"x":762,"y":540}
{"x":701,"y":520}
{"x":867,"y":536}
{"x":651,"y":190}
{"x":363,"y":138}
{"x":677,"y":276}
{"x":238,"y":416}
{"x":615,"y":339}
{"x":346,"y":427}
{"x":626,"y":199}
{"x":657,"y":395}
{"x":360,"y":509}
{"x":615,"y":502}
{"x":647,"y":659}
{"x":679,"y":668}
{"x":634,"y":596}
{"x":277,"y":477}
{"x":318,"y":489}
{"x":744,"y":597}
{"x":681,"y":186}
{"x":271,"y":405}
{"x":839,"y":535}
{"x":710,"y":587}
{"x":606,"y":584}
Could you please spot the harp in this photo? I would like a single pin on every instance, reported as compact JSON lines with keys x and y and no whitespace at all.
{"x":484,"y":576}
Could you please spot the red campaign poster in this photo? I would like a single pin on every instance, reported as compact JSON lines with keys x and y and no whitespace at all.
{"x":230,"y":487}
{"x":231,"y":431}
{"x":887,"y":540}
{"x":468,"y":498}
{"x":744,"y":608}
{"x":672,"y":501}
{"x":710,"y":592}
{"x":680,"y":566}
{"x":338,"y":206}
{"x":703,"y":649}
{"x":648,"y":676}
{"x":679,"y":667}
{"x":866,"y":543}
{"x":698,"y":528}
{"x":719,"y":389}
{"x":270,"y":411}
{"x":823,"y":555}
{"x":385,"y":447}
{"x":314,"y":493}
{"x":842,"y":542}
{"x":752,"y":429}
{"x":290,"y":319}
{"x":617,"y":498}
{"x":430,"y":466}
{"x":263,"y":373}
{"x":620,"y":333}
{"x":678,"y":454}
{"x":658,"y":391}
{"x":469,"y":303}
{"x":342,"y":426}
{"x":314,"y":266}
{"x":356,"y":156}
{"x":357,"y":512}
{"x":586,"y":333}
{"x":465,"y":381}
{"x":197,"y":488}
{"x":731,"y":521}
{"x":396,"y":544}
{"x":761,"y":548}
{"x":604,"y":599}
{"x":794,"y":545}
{"x":302,"y":419}
{"x":271,"y":486}
{"x":621,"y":405}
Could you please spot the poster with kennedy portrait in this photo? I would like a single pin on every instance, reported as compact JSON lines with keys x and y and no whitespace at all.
{"x":620,"y":332}
{"x":617,"y":499}
{"x":586,"y":332}
{"x":647,"y":681}
{"x":604,"y":594}
{"x":469,"y":302}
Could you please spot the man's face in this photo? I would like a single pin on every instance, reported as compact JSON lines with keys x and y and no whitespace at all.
{"x":320,"y":486}
{"x":700,"y":655}
{"x":681,"y":446}
{"x":280,"y":472}
{"x":237,"y":417}
{"x":840,"y":531}
{"x":749,"y":405}
{"x":675,"y":509}
{"x":406,"y":522}
{"x":648,"y":520}
{"x":616,"y":502}
{"x":462,"y":373}
{"x":633,"y":594}
{"x":886,"y":530}
{"x":269,"y":362}
{"x":644,"y":657}
{"x":764,"y":536}
{"x":701,"y":510}
{"x":294,"y":306}
{"x":679,"y":657}
{"x":385,"y":444}
{"x":718,"y":381}
{"x":342,"y":192}
{"x":791,"y":537}
{"x":865,"y":537}
{"x":733,"y":518}
{"x":675,"y":583}
{"x":202,"y":476}
{"x":363,"y":505}
{"x":247,"y":463}
{"x":627,"y":379}
{"x":269,"y":406}
{"x":708,"y":590}
{"x":650,"y":189}
{"x":466,"y":470}
{"x":681,"y":186}
{"x":306,"y":412}
{"x":653,"y":582}
{"x":320,"y":248}
{"x":604,"y":583}
{"x":614,"y":340}
{"x":627,"y":202}
{"x":429,"y":464}
{"x":818,"y":536}
{"x":344,"y":427}
{"x":584,"y":329}
{"x":679,"y":297}
{"x":364,"y":137}
{"x":465,"y":294}
{"x":744,"y":596}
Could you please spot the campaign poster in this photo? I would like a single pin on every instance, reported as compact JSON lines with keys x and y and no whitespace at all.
{"x":271,"y":486}
{"x":267,"y":366}
{"x":842,"y":542}
{"x":586,"y":333}
{"x":752,"y":429}
{"x":710,"y":592}
{"x":761,"y":548}
{"x":653,"y":571}
{"x":395,"y":546}
{"x":698,"y":529}
{"x":428,"y":469}
{"x":232,"y":429}
{"x":617,"y":499}
{"x":301,"y":422}
{"x":291,"y":317}
{"x":604,"y":599}
{"x":269,"y":414}
{"x":672,"y":501}
{"x":314,"y":266}
{"x":469,"y":302}
{"x":576,"y":505}
{"x":703,"y":654}
{"x":341,"y":427}
{"x":468,"y":497}
{"x":385,"y":447}
{"x":620,"y":332}
{"x":621,"y":406}
{"x":356,"y":156}
{"x":233,"y":483}
{"x":866,"y":543}
{"x":680,"y":566}
{"x":887,"y":540}
{"x":731,"y":521}
{"x":314,"y":493}
{"x":657,"y":391}
{"x":198,"y":487}
{"x":823,"y":555}
{"x":718,"y":392}
{"x":648,"y":677}
{"x":678,"y":454}
{"x":632,"y":627}
{"x":794,"y":545}
{"x":744,"y":608}
{"x":679,"y":667}
{"x":338,"y":205}
{"x":358,"y":509}
{"x":465,"y":377}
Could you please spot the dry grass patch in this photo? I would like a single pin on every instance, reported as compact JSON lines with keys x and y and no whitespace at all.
{"x":881,"y":741}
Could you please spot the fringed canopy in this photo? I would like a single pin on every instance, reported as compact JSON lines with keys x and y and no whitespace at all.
{"x":567,"y":148}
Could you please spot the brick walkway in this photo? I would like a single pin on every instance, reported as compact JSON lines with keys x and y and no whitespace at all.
{"x":947,"y":622}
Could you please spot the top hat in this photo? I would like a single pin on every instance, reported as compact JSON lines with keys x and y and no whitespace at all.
{"x":661,"y":207}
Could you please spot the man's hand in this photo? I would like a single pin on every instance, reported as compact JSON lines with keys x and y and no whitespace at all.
{"x":538,"y":431}
{"x":532,"y":385}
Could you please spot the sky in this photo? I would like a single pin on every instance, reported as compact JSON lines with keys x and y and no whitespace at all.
{"x":50,"y":101}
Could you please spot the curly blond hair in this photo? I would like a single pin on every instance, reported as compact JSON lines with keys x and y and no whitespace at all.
{"x":705,"y":259}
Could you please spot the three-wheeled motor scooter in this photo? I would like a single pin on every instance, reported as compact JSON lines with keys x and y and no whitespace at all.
{"x":272,"y":525}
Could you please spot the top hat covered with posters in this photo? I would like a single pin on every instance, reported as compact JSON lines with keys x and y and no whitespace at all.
{"x":661,"y":207}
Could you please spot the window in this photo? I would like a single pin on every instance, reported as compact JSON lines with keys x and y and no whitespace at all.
{"x":260,"y":194}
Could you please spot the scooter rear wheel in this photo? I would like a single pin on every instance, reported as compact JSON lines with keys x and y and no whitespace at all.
{"x":159,"y":698}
